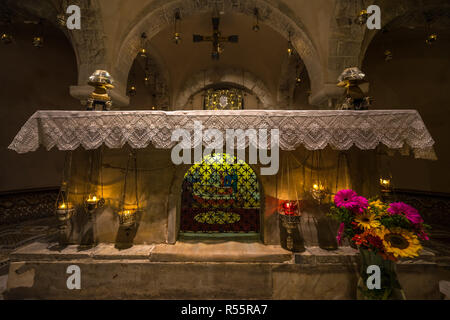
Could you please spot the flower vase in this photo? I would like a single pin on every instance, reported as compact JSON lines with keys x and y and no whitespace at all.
{"x":390,"y":286}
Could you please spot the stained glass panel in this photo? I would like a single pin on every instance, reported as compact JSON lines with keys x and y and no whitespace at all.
{"x":224,"y":99}
{"x":219,"y":196}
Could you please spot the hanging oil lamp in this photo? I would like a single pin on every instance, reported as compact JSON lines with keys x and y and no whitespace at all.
{"x":290,"y":47}
{"x":318,"y":192}
{"x":92,"y":203}
{"x":127,"y":213}
{"x":388,"y":55}
{"x":256,"y":23}
{"x":6,"y":38}
{"x":61,"y":19}
{"x":132,"y":91}
{"x":38,"y":40}
{"x":177,"y":33}
{"x":142,"y":50}
{"x":431,"y":39}
{"x":362,"y":17}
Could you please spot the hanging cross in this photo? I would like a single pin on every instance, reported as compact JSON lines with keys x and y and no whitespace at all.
{"x":216,"y":39}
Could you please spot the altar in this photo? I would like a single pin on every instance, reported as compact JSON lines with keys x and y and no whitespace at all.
{"x":210,"y":216}
{"x":333,"y":149}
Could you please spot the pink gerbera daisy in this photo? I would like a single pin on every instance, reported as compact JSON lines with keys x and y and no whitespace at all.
{"x":409,"y":212}
{"x":362,"y":204}
{"x":346,"y":198}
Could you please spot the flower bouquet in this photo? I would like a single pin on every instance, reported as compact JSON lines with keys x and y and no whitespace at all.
{"x":383,"y":233}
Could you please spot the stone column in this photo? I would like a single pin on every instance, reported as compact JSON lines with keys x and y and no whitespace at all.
{"x":326,"y":96}
{"x":118,"y":96}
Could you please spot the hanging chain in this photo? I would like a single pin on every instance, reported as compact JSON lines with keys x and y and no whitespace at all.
{"x":341,"y":155}
{"x":125,"y":181}
{"x":136,"y":179}
{"x":64,"y":189}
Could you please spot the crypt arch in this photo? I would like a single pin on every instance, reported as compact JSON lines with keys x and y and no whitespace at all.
{"x":348,"y":41}
{"x":233,"y":77}
{"x":401,"y":13}
{"x":159,"y":15}
{"x":158,"y":88}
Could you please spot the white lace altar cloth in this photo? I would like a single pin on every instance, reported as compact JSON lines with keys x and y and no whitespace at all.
{"x":314,"y":129}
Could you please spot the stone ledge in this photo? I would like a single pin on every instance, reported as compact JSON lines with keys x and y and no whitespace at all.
{"x":316,"y":255}
{"x":229,"y":251}
{"x":348,"y":255}
{"x":189,"y":251}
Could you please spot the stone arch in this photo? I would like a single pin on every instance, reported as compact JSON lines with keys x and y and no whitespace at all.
{"x":237,"y":76}
{"x":159,"y":14}
{"x":88,"y":43}
{"x":348,"y":41}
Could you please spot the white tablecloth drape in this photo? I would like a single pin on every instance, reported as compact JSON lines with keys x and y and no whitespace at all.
{"x":314,"y":129}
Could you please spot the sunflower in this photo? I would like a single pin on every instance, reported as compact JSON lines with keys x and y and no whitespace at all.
{"x":400,"y":242}
{"x":378,"y":207}
{"x":367,"y":221}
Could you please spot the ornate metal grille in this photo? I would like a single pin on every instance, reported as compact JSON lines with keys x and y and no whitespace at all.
{"x":219,"y":196}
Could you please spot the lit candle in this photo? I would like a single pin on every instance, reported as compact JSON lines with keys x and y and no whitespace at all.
{"x":92,"y":200}
{"x":62,"y":206}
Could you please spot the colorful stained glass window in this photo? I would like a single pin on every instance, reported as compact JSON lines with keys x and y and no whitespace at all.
{"x":224,"y":99}
{"x":220,"y":196}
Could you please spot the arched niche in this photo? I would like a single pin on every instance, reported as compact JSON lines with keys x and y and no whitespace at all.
{"x":232,"y":77}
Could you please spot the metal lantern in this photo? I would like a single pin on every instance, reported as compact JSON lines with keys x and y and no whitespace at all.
{"x":431,"y":39}
{"x":385,"y":185}
{"x":92,"y":201}
{"x":142,"y":50}
{"x":176,"y":32}
{"x":388,"y":55}
{"x":61,"y":19}
{"x":63,"y":208}
{"x":290,"y":219}
{"x":362,"y":17}
{"x":319,"y":192}
{"x":38,"y":41}
{"x":6,"y":38}
{"x":256,"y":23}
{"x":127,"y":212}
{"x":132,"y":91}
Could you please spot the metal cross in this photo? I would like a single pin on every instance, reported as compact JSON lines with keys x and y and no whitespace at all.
{"x":216,"y":38}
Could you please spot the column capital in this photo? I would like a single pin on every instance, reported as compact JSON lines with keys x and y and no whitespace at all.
{"x":83,"y":92}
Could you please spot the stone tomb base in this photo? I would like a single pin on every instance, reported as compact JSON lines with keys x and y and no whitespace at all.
{"x":201,"y":270}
